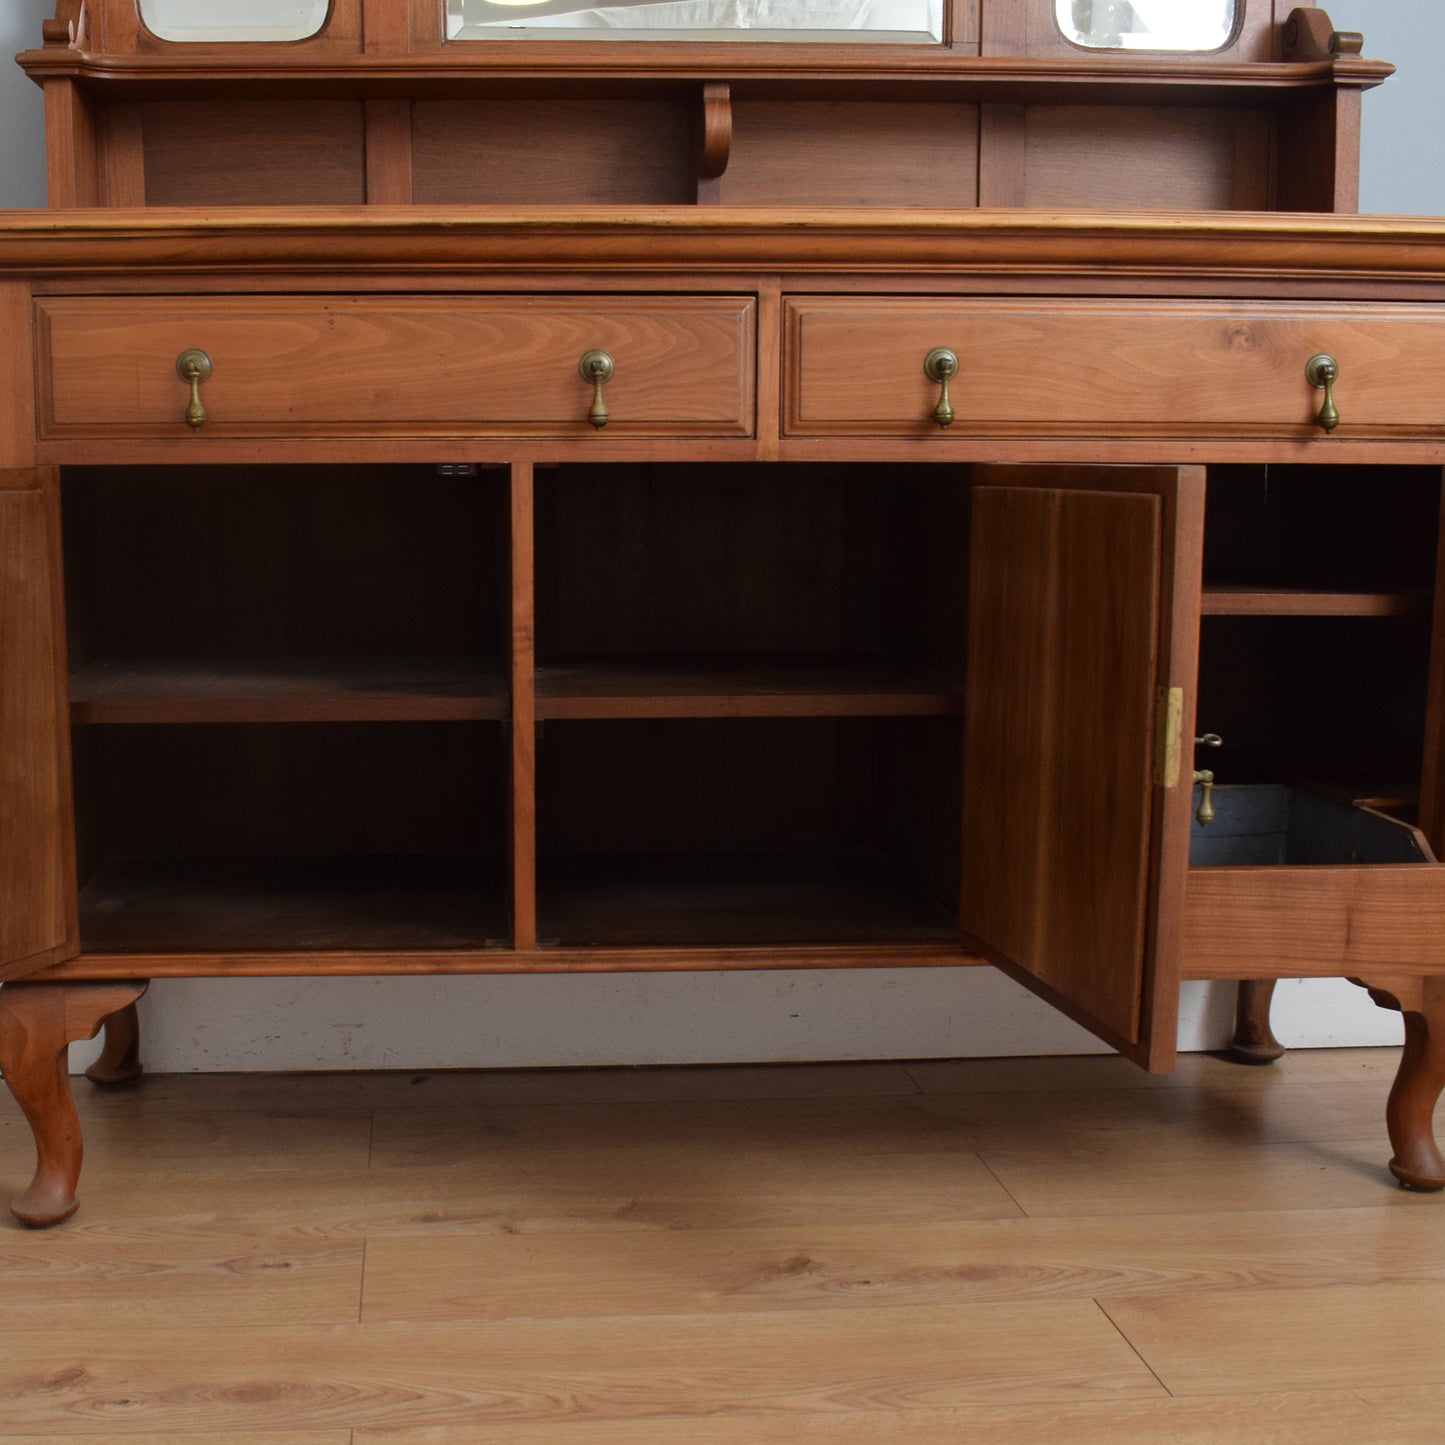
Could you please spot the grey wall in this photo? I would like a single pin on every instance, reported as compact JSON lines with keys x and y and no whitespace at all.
{"x":1402,"y":161}
{"x":22,"y":116}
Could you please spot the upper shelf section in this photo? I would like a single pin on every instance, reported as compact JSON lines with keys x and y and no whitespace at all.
{"x":1229,"y":105}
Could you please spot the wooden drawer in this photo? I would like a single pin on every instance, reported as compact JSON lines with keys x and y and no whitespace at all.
{"x":385,"y":366}
{"x":1111,"y":368}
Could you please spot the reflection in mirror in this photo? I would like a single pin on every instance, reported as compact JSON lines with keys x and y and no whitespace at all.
{"x":871,"y":22}
{"x":1148,"y":24}
{"x":196,"y":21}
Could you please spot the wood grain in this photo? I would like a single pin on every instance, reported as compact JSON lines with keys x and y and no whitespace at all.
{"x":1243,"y":600}
{"x":741,"y":1271}
{"x":36,"y":864}
{"x":1135,"y":364}
{"x":1409,"y":1416}
{"x":1062,"y":656}
{"x":754,"y":687}
{"x":569,"y":1370}
{"x":286,"y":689}
{"x":17,"y":399}
{"x":1312,"y":921}
{"x":974,"y":1263}
{"x":1242,"y":1341}
{"x":312,"y":364}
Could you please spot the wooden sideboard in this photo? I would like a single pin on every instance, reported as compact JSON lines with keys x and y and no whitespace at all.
{"x":619,"y":583}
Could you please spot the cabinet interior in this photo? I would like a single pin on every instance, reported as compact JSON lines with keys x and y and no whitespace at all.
{"x":1315,"y":655}
{"x":292,"y":691}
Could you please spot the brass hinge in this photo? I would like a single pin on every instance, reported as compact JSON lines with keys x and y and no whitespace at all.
{"x":1168,"y":736}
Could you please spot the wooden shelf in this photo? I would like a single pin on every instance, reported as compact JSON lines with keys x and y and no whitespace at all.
{"x":679,"y":687}
{"x":288,"y":690}
{"x":736,"y":900}
{"x":1241,"y":599}
{"x":242,"y":905}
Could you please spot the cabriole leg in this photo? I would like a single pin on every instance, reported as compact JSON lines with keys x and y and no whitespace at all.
{"x":1410,"y":1113}
{"x":1254,"y":1041}
{"x":37,"y":1023}
{"x":119,"y":1061}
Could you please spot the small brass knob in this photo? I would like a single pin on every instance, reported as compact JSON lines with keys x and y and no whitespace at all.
{"x":941,"y":366}
{"x":597,"y":368}
{"x":1322,"y":372}
{"x":193,"y":367}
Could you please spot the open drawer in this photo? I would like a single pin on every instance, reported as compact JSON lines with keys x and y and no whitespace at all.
{"x":395,"y":366}
{"x":1286,"y":884}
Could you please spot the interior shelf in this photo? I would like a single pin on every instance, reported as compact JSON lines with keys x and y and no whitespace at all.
{"x":735,"y":900}
{"x":243,"y":905}
{"x":288,"y":689}
{"x":792,"y":686}
{"x":1248,"y":599}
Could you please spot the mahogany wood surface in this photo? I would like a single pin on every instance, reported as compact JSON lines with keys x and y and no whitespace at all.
{"x":1062,"y":672}
{"x":17,"y":403}
{"x":1418,"y":1163}
{"x":523,"y":652}
{"x":37,"y":1023}
{"x":1299,"y":922}
{"x":36,"y":864}
{"x":1239,"y":599}
{"x":119,"y":1063}
{"x":469,"y":364}
{"x":766,"y":687}
{"x":287,"y":690}
{"x":1098,"y":367}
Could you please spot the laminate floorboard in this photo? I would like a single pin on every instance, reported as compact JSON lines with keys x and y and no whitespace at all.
{"x":973,"y":1252}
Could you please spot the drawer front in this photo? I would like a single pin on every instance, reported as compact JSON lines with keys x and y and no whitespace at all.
{"x":429,"y":366}
{"x":1111,"y":368}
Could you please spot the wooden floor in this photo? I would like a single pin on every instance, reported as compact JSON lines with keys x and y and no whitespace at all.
{"x":1007,"y":1251}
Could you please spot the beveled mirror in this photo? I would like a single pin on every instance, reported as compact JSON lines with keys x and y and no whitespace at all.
{"x":868,"y":22}
{"x":201,"y":21}
{"x":1176,"y":25}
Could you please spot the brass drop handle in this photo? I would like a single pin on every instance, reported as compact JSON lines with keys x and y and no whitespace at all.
{"x":1322,"y":372}
{"x":193,"y":367}
{"x":941,"y":366}
{"x":1204,"y":780}
{"x":596,"y":367}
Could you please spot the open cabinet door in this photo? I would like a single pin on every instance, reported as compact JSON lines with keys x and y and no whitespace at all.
{"x":1083,"y":641}
{"x":37,"y":906}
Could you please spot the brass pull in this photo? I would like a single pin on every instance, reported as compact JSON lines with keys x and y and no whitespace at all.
{"x":596,"y":367}
{"x":1322,"y":372}
{"x":193,"y":367}
{"x":941,"y":366}
{"x":1204,"y":779}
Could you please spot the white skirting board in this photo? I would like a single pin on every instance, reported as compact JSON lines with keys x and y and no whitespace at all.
{"x":218,"y":1025}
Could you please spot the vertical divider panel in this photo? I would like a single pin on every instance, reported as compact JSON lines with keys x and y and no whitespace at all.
{"x":522,"y":653}
{"x":388,"y":152}
{"x":1432,"y":777}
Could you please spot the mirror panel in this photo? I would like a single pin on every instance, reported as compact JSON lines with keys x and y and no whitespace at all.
{"x":203,"y":21}
{"x":868,"y":22}
{"x":1177,"y":25}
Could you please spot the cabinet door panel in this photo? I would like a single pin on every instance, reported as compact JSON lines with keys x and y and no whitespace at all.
{"x":36,"y":877}
{"x":1069,"y":847}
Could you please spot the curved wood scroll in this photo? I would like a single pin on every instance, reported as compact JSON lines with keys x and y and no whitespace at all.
{"x":1418,"y":1163}
{"x":37,"y":1023}
{"x":1310,"y":35}
{"x":70,"y":30}
{"x":714,"y":139}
